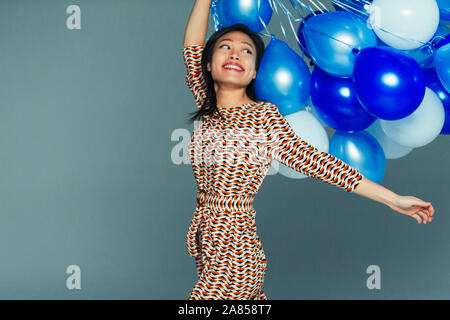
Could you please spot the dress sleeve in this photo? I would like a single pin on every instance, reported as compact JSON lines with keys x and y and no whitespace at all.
{"x":192,"y":56}
{"x":282,"y":144}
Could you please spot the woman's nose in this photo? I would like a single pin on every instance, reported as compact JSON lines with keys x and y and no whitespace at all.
{"x":235,"y":55}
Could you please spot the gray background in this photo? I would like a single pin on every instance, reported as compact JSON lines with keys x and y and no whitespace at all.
{"x":86,"y":176}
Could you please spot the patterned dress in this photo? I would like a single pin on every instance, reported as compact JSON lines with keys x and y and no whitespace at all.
{"x":230,"y":158}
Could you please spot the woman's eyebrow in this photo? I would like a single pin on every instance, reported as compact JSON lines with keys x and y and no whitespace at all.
{"x":241,"y":42}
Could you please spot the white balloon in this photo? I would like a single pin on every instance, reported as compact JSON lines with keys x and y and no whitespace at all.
{"x":421,"y":127}
{"x":404,"y":24}
{"x":309,"y":129}
{"x":392,"y":150}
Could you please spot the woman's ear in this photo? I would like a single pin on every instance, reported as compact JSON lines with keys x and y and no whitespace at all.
{"x":208,"y":66}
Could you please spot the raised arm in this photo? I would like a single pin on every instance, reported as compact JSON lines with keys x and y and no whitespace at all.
{"x":197,"y":24}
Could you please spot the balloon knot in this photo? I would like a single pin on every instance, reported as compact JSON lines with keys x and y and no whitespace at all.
{"x":356,"y":50}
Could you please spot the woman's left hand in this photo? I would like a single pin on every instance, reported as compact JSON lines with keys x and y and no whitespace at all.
{"x":414,"y":207}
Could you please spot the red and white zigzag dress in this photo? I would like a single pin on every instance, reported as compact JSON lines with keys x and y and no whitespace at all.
{"x":230,"y":158}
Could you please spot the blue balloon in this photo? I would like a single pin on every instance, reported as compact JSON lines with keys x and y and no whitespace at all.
{"x":332,"y":38}
{"x":361,"y":151}
{"x":389,"y":83}
{"x":423,"y":55}
{"x":442,"y":41}
{"x":432,"y":81}
{"x":444,"y":9}
{"x":442,"y":35}
{"x":283,"y":78}
{"x":444,"y":27}
{"x":336,"y":103}
{"x":300,"y":37}
{"x":442,"y":65}
{"x":355,"y":7}
{"x":247,"y":12}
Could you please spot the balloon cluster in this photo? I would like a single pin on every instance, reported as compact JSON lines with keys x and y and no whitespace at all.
{"x":379,"y":75}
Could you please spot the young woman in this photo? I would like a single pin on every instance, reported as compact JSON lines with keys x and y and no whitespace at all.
{"x":231,"y":151}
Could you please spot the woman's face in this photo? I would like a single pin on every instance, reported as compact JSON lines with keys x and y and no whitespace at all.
{"x":236,"y":49}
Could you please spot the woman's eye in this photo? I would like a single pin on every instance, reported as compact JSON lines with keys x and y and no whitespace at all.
{"x":225,"y":45}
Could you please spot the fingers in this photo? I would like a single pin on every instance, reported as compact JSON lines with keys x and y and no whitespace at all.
{"x":429,"y":210}
{"x":425,"y":217}
{"x":420,"y":214}
{"x":426,"y":212}
{"x":415,"y":216}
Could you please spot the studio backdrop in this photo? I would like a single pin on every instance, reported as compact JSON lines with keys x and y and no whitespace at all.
{"x":97,"y":192}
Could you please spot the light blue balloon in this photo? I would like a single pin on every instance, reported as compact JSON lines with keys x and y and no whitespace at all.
{"x":433,"y":82}
{"x":442,"y":65}
{"x":361,"y":151}
{"x":444,"y":9}
{"x":333,"y":40}
{"x":247,"y":12}
{"x":283,"y":78}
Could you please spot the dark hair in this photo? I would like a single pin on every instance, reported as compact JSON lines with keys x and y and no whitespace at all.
{"x":209,"y":105}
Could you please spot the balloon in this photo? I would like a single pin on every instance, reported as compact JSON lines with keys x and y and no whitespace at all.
{"x":248,"y":12}
{"x":444,"y":27}
{"x":355,"y":7}
{"x":361,"y":151}
{"x":444,"y":9}
{"x":442,"y":41}
{"x":389,"y":83}
{"x":404,"y":24}
{"x":423,"y":55}
{"x":442,"y":65}
{"x":331,"y":37}
{"x":312,"y":108}
{"x":308,"y":128}
{"x":300,"y":37}
{"x":421,"y":127}
{"x":392,"y":150}
{"x":432,"y":81}
{"x":283,"y":78}
{"x":336,"y":102}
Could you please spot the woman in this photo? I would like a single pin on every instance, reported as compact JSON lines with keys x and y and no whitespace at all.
{"x":231,"y":151}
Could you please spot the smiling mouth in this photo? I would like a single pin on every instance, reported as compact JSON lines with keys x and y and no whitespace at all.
{"x":233,"y":68}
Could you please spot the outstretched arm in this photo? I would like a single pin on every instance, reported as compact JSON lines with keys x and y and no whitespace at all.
{"x":197,"y":25}
{"x":408,"y":205}
{"x":282,"y":144}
